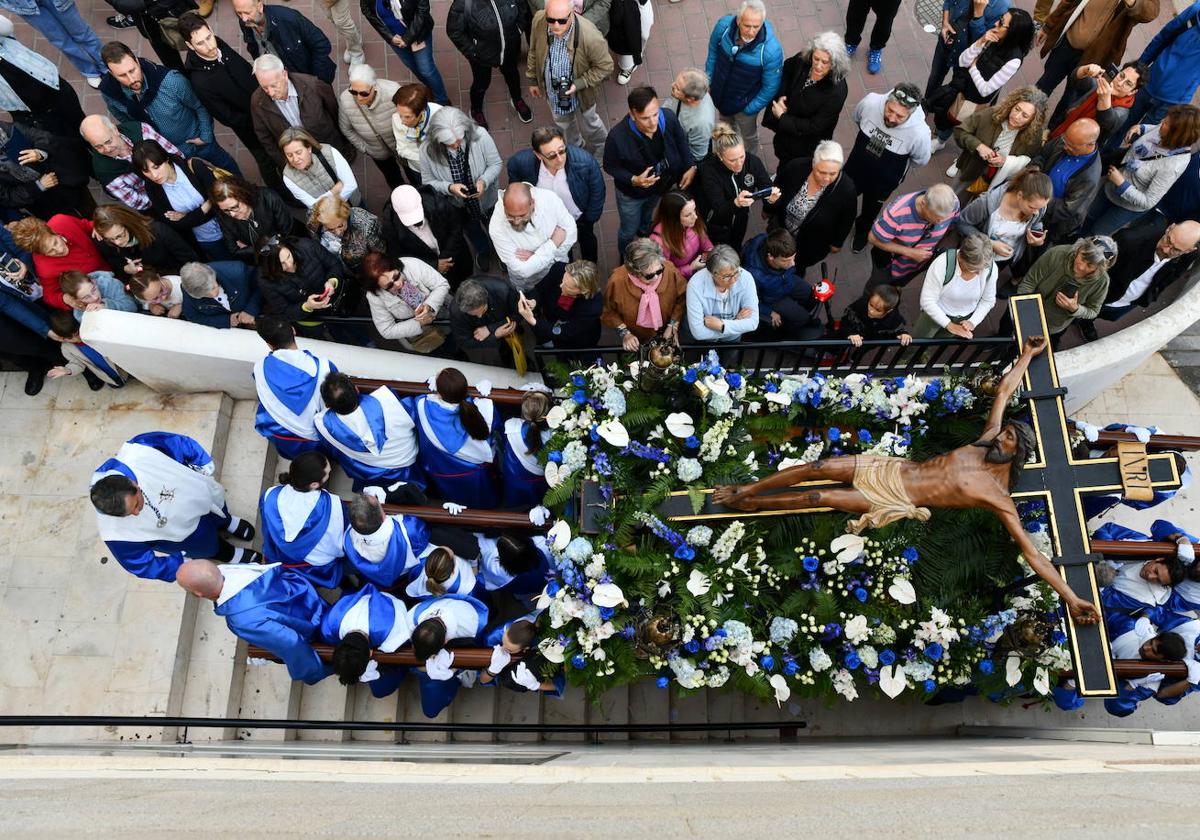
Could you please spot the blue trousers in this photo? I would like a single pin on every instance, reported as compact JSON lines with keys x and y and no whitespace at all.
{"x":636,"y":217}
{"x":68,"y":31}
{"x":1105,"y":218}
{"x":421,"y":63}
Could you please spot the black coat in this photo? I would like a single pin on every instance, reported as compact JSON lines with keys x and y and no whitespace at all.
{"x":166,"y":254}
{"x":502,"y":305}
{"x":314,"y":265}
{"x":1135,"y":252}
{"x":812,"y":112}
{"x":445,"y":222}
{"x":300,"y":44}
{"x":225,"y":87}
{"x":414,"y":14}
{"x":828,"y":223}
{"x":568,"y":329}
{"x":199,"y":172}
{"x":475,"y":30}
{"x":270,"y":218}
{"x":716,"y":187}
{"x":625,"y":29}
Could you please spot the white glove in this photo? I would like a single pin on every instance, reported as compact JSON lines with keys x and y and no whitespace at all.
{"x":523,"y":677}
{"x":432,"y":383}
{"x":483,"y":387}
{"x":536,"y":386}
{"x":1090,"y":433}
{"x":257,"y":660}
{"x":539,"y":515}
{"x":438,"y":665}
{"x":204,"y":469}
{"x":377,"y":492}
{"x":1139,"y":432}
{"x":1149,"y":680}
{"x":500,"y":660}
{"x":453,"y":508}
{"x":1193,"y":669}
{"x":1185,"y":550}
{"x":371,"y":673}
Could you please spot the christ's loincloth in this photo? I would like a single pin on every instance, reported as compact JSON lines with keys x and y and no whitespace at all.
{"x":878,"y":479}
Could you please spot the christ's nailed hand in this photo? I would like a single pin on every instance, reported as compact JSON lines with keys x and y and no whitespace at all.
{"x":1035,"y":344}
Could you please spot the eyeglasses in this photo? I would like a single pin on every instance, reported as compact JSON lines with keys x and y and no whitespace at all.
{"x":362,"y":94}
{"x":559,"y":21}
{"x":1106,"y":246}
{"x":555,"y":155}
{"x":397,"y":280}
{"x":650,"y":275}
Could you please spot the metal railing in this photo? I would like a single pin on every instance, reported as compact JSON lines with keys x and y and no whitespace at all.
{"x":924,"y":356}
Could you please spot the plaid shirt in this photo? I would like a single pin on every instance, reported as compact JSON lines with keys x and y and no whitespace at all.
{"x":175,"y":110}
{"x":460,"y":168}
{"x":558,"y":66}
{"x":129,"y":188}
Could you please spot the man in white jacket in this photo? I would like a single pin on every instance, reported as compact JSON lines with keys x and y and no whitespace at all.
{"x":534,"y":235}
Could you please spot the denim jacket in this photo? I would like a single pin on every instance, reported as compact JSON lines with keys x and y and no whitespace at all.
{"x":30,"y":7}
{"x":23,"y":58}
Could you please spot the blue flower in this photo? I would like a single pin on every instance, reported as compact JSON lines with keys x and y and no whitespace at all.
{"x":1058,"y":637}
{"x":934,"y":651}
{"x":887,"y":657}
{"x":692,"y":647}
{"x":689,"y":375}
{"x":662,"y":682}
{"x":552,"y":588}
{"x":579,"y":397}
{"x":555,"y":457}
{"x":692,"y":442}
{"x":577,"y":380}
{"x":607,"y":612}
{"x":986,"y":667}
{"x":578,"y":662}
{"x":910,"y":555}
{"x":720,"y":632}
{"x":772,"y":388}
{"x":790,"y":667}
{"x":832,"y":631}
{"x":628,"y":631}
{"x":685,"y":552}
{"x":865,"y":436}
{"x":767,"y":662}
{"x":734,"y":380}
{"x":835,"y":433}
{"x":861,"y":595}
{"x":930,"y":686}
{"x":811,"y":563}
{"x":852,"y":660}
{"x":595,"y":435}
{"x":933,"y":389}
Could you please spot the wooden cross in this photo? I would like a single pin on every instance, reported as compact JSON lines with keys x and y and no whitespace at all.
{"x":1062,"y":480}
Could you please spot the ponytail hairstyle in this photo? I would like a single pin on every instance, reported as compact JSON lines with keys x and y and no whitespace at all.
{"x":306,"y":469}
{"x":439,"y":568}
{"x":452,"y":387}
{"x":1031,"y":182}
{"x":535,"y":405}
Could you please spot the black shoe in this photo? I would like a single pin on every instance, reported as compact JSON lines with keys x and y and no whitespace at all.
{"x":483,"y":262}
{"x":523,"y":112}
{"x":860,"y":241}
{"x":1088,"y":328}
{"x":480,"y":119}
{"x":94,"y":382}
{"x":243,"y":532}
{"x":120,"y":21}
{"x":34,"y":382}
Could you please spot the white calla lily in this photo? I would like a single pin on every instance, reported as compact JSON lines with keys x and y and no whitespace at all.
{"x":902,"y":591}
{"x":555,"y":416}
{"x":554,"y":652}
{"x":559,"y":535}
{"x":779,"y":398}
{"x":891,"y":680}
{"x":1012,"y":669}
{"x":782,"y":690}
{"x":1041,"y":681}
{"x":848,"y":547}
{"x":614,"y":432}
{"x":680,"y":424}
{"x":551,"y":474}
{"x":698,"y":583}
{"x":608,"y":595}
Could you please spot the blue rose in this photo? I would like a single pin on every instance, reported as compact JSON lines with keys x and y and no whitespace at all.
{"x":578,"y":662}
{"x":772,"y":388}
{"x":662,"y":682}
{"x":887,"y":657}
{"x":934,"y":651}
{"x":986,"y":667}
{"x":930,"y":686}
{"x":734,"y":380}
{"x":607,"y":612}
{"x":811,"y":563}
{"x":689,"y":375}
{"x":852,"y":660}
{"x":790,"y":668}
{"x":692,"y":647}
{"x":720,"y":632}
{"x":865,"y":436}
{"x":767,"y":662}
{"x":910,"y":555}
{"x":577,"y":380}
{"x":1058,"y":637}
{"x":933,"y":389}
{"x":595,"y":435}
{"x":579,"y":397}
{"x":835,"y":433}
{"x":555,"y":457}
{"x":552,"y":588}
{"x":692,"y":442}
{"x":832,"y":631}
{"x":861,"y":595}
{"x":685,"y":552}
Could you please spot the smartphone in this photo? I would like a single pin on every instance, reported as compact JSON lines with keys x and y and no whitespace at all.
{"x":763,"y":193}
{"x":1070,"y":289}
{"x":325,"y":294}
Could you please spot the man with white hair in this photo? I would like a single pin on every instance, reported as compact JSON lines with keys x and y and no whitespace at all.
{"x":907,"y":233}
{"x":289,"y":35}
{"x":365,"y":113}
{"x":219,"y":294}
{"x":745,"y":64}
{"x":112,"y":156}
{"x":286,"y":99}
{"x":533,"y":236}
{"x":692,"y":104}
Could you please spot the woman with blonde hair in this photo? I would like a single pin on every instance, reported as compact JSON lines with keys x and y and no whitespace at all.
{"x":522,"y":475}
{"x":131,"y":242}
{"x":348,"y":232}
{"x":727,"y":184}
{"x":315,"y":169}
{"x":565,"y":313}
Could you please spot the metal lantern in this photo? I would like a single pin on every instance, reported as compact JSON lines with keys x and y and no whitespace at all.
{"x":657,"y":357}
{"x":1027,"y":636}
{"x":656,"y":634}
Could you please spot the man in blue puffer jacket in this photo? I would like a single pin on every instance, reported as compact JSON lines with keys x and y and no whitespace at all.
{"x":1174,"y":59}
{"x":745,"y":63}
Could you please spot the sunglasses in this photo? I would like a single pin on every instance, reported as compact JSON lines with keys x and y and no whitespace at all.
{"x":554,"y":155}
{"x":650,"y":275}
{"x":362,"y":94}
{"x":559,"y":21}
{"x":905,"y":98}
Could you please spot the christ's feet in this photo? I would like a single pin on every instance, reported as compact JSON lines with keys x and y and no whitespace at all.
{"x":735,"y":496}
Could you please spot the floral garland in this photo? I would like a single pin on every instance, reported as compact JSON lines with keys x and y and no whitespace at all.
{"x":769,"y":606}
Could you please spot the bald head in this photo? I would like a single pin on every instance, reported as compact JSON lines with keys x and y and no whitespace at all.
{"x":518,"y":205}
{"x":1081,"y":137}
{"x":202,"y":578}
{"x":101,"y":134}
{"x":559,"y":8}
{"x":1179,"y":239}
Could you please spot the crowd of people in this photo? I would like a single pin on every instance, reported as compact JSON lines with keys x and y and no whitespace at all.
{"x":1093,"y":205}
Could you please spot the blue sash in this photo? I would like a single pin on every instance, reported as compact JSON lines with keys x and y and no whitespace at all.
{"x":276,"y":548}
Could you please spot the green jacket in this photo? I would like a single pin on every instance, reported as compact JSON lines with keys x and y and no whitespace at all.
{"x":1049,"y":274}
{"x":592,"y":62}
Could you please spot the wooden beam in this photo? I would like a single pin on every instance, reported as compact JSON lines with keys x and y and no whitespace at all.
{"x":1132,"y":669}
{"x":503,"y":396}
{"x":472,"y":658}
{"x":1136,"y":548}
{"x":469,"y":518}
{"x":1184,"y":443}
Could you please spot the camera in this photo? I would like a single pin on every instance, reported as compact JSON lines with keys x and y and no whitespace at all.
{"x":561,"y":85}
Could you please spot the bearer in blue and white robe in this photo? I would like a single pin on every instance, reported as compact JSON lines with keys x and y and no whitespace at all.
{"x":268,"y":606}
{"x":384,"y":548}
{"x":450,"y":618}
{"x":518,"y":676}
{"x":497,"y":556}
{"x":304,"y":531}
{"x":459,"y":468}
{"x":462,"y":580}
{"x":522,"y":476}
{"x":363,"y":621}
{"x":183,"y":513}
{"x":1155,"y":584}
{"x":1134,"y":638}
{"x":288,"y":382}
{"x":372,"y":436}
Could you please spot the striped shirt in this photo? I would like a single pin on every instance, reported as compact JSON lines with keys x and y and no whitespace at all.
{"x":900,"y":223}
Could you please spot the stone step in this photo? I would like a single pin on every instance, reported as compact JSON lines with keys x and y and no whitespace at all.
{"x":612,"y":708}
{"x":409,"y":710}
{"x":267,"y":693}
{"x":518,"y":707}
{"x":649,"y":704}
{"x":475,"y":705}
{"x":327,"y":700}
{"x":367,"y":707}
{"x":726,"y":707}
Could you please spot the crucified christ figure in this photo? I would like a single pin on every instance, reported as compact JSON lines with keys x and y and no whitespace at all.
{"x":883,"y":489}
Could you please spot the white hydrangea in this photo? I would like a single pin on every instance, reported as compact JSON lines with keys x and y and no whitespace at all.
{"x":843,"y":684}
{"x":819,"y":659}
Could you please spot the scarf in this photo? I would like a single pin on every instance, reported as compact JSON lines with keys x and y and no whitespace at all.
{"x":649,"y":312}
{"x":1087,"y":108}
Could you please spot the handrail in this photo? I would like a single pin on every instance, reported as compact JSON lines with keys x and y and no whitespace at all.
{"x":1136,"y":548}
{"x":504,"y":396}
{"x":464,"y":657}
{"x":470,"y":516}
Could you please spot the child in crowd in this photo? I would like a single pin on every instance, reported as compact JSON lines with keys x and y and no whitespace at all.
{"x":95,"y":367}
{"x":874,"y":316}
{"x":157,"y":294}
{"x":89,"y":292}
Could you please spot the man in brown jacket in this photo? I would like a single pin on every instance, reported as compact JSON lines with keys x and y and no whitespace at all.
{"x":293,"y":99}
{"x":568,"y":61}
{"x":1086,"y":32}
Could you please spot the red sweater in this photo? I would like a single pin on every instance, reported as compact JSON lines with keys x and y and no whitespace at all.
{"x":82,"y":255}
